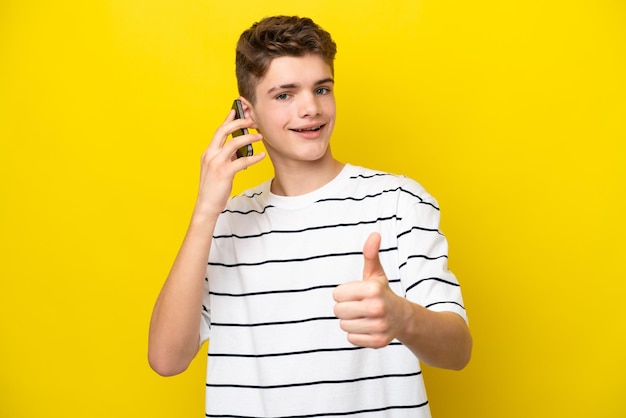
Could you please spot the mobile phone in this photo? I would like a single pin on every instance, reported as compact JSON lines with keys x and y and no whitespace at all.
{"x":246,"y":150}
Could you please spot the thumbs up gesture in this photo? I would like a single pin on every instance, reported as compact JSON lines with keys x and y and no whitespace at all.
{"x":368,"y":310}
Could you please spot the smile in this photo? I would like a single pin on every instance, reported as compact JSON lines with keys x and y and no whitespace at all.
{"x":312,"y":129}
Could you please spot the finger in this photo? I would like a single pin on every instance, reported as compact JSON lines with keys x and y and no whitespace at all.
{"x":368,"y":340}
{"x":350,"y":291}
{"x":371,"y":265}
{"x":237,"y":142}
{"x":349,"y":310}
{"x":224,"y":130}
{"x":230,"y":116}
{"x":227,"y":127}
{"x":364,"y":333}
{"x":354,"y":326}
{"x":245,"y":162}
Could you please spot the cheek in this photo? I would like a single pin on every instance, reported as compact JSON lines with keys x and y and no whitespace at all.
{"x":269,"y":131}
{"x":330,"y":109}
{"x":261,"y":124}
{"x":273,"y":124}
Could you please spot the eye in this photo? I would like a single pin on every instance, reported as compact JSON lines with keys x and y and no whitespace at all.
{"x":283,"y":96}
{"x":322,"y":91}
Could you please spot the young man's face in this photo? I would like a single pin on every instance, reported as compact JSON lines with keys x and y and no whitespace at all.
{"x":295,"y":109}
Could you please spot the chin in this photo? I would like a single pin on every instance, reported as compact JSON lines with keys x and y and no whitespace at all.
{"x":318,"y":156}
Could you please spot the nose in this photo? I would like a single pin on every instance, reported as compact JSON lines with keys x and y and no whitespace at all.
{"x":309,"y":105}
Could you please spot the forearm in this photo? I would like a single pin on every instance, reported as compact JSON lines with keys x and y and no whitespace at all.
{"x":439,"y":339}
{"x":175,"y":323}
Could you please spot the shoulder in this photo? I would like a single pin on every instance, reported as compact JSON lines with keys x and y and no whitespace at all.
{"x":382,"y":178}
{"x":250,"y":200}
{"x":398,"y":184}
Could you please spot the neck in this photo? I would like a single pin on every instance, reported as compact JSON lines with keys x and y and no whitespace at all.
{"x":304,"y":177}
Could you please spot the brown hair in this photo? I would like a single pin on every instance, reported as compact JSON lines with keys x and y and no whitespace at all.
{"x":278,"y":36}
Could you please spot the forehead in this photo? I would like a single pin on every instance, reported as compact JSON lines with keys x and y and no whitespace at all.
{"x":304,"y":70}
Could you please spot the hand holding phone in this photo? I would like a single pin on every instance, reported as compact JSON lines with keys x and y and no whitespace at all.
{"x":246,"y":150}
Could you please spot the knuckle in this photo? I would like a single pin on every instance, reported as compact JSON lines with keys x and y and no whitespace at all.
{"x":354,"y":339}
{"x":379,"y":341}
{"x":380,"y":327}
{"x":374,"y":288}
{"x":206,"y":158}
{"x":376,"y":308}
{"x":338,"y":293}
{"x":342,"y":325}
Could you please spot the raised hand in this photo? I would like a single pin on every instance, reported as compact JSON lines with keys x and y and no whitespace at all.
{"x":369,"y":311}
{"x":219,"y":165}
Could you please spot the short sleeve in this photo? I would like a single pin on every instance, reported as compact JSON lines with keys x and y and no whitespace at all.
{"x":205,"y":320}
{"x":423,"y":253}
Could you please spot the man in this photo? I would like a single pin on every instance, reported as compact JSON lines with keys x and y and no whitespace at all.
{"x":325,"y":286}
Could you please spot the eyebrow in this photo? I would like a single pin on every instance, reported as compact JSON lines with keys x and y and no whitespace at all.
{"x":297,"y":85}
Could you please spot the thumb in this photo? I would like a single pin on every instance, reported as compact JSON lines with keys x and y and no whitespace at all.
{"x":371,"y":266}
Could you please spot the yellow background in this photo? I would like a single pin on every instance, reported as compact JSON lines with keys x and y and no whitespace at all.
{"x":511,"y":113}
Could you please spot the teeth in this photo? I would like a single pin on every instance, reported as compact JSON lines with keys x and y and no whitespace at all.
{"x":317,"y":128}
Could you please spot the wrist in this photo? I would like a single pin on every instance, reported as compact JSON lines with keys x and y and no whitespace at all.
{"x":410,"y":323}
{"x":205,"y":213}
{"x":203,"y":222}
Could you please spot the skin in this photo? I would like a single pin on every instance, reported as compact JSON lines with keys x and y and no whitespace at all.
{"x":294,"y":111}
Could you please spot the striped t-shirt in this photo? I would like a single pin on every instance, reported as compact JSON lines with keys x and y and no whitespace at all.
{"x":276,"y":348}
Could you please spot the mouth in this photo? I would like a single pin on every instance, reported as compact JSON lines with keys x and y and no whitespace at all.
{"x":309,"y":129}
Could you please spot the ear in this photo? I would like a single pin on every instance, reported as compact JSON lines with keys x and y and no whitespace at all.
{"x":248,"y":109}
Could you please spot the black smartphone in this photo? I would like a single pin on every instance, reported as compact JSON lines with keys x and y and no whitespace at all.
{"x":246,"y":150}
